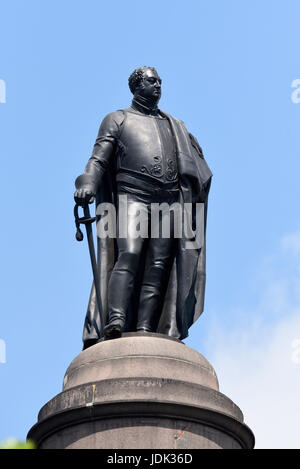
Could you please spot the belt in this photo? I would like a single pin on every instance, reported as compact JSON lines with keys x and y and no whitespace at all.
{"x":143,"y":182}
{"x":148,"y":196}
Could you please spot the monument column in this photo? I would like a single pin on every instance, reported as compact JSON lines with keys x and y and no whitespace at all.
{"x":141,"y":391}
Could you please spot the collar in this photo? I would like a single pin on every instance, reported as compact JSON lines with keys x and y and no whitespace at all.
{"x":144,"y":106}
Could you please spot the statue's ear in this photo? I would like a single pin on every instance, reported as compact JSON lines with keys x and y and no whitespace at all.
{"x":137,"y":90}
{"x":139,"y":87}
{"x":196,"y":145}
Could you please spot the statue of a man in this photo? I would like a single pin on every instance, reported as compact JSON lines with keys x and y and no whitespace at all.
{"x":149,"y":284}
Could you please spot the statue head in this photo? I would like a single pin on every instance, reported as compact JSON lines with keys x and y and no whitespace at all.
{"x":145,"y":82}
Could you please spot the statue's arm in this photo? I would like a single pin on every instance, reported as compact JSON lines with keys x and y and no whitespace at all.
{"x":88,"y":183}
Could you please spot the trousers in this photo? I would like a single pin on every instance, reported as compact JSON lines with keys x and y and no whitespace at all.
{"x":130,"y":255}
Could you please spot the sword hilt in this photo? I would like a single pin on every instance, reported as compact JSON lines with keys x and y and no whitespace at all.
{"x":86,"y":220}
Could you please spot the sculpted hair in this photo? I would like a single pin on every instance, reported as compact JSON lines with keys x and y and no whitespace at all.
{"x":136,"y":77}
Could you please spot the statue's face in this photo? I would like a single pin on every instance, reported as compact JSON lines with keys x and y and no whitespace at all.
{"x":150,"y":86}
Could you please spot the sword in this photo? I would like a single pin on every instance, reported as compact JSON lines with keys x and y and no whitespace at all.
{"x":87,"y":220}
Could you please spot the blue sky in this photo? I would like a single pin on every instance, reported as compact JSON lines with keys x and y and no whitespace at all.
{"x":227,"y":70}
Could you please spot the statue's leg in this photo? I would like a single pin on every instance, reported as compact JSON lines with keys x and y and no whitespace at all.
{"x":156,"y":269}
{"x":122,"y":279}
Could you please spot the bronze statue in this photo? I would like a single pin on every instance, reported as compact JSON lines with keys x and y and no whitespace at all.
{"x":148,"y":284}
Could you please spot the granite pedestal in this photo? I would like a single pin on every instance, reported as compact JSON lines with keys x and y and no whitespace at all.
{"x":141,"y":391}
